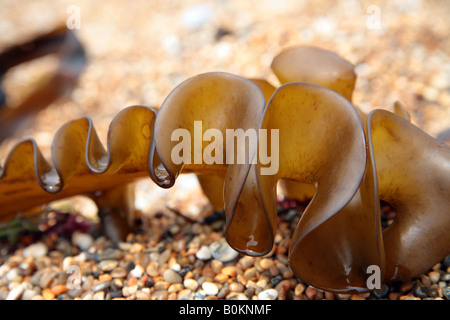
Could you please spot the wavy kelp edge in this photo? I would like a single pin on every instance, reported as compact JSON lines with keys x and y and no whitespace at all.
{"x":80,"y":164}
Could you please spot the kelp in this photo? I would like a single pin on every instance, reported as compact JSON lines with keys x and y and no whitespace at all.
{"x":343,"y":161}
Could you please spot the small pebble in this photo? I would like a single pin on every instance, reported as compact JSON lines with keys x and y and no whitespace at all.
{"x":101,"y":286}
{"x":426,"y":281}
{"x":108,"y":265}
{"x":87,"y":296}
{"x":119,"y":272}
{"x":48,"y":294}
{"x":276,"y":280}
{"x":445,"y":276}
{"x":204,"y":253}
{"x":160,"y":295}
{"x":269,"y":294}
{"x":283,"y":286}
{"x":152,"y":269}
{"x":266,"y":263}
{"x":13,"y":275}
{"x":104,"y":277}
{"x":434,"y":276}
{"x":237,"y":287}
{"x":67,"y":262}
{"x":161,"y":285}
{"x":246,"y":262}
{"x":251,"y":273}
{"x":299,"y":289}
{"x":221,"y":278}
{"x":110,"y":254}
{"x":142,"y":295}
{"x":196,"y":16}
{"x":99,"y":295}
{"x":35,"y":250}
{"x":236,"y":296}
{"x":190,"y":284}
{"x":137,"y":272}
{"x":222,"y":251}
{"x":129,"y":290}
{"x":185,"y":294}
{"x":261,"y":283}
{"x":210,"y":288}
{"x":59,"y":289}
{"x":230,"y":271}
{"x":175,"y":287}
{"x":164,"y":257}
{"x":46,"y":278}
{"x":176,"y":267}
{"x":15,"y":293}
{"x":216,"y":265}
{"x":223,"y":291}
{"x":171,"y":276}
{"x":311,"y":293}
{"x":382,"y":292}
{"x":28,"y":294}
{"x":273,"y":271}
{"x":83,"y":240}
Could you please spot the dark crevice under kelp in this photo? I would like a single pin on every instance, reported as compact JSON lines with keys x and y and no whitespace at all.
{"x":333,"y":156}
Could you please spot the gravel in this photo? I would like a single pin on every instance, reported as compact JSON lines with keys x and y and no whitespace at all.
{"x":404,"y":61}
{"x":136,"y":270}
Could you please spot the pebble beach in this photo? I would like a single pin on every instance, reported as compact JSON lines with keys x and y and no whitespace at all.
{"x":172,"y":258}
{"x":137,"y":54}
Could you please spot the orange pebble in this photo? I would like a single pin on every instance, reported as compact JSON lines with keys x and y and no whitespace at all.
{"x":230,"y":271}
{"x":59,"y":289}
{"x":104,"y":277}
{"x":48,"y":294}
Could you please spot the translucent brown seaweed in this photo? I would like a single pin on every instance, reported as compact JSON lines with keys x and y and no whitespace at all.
{"x":343,"y":161}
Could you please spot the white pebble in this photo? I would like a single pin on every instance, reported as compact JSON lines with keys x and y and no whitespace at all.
{"x":176,"y":267}
{"x":15,"y":293}
{"x":67,"y":262}
{"x":83,"y":240}
{"x":137,"y":272}
{"x":431,"y":93}
{"x":222,"y":251}
{"x":441,"y":80}
{"x":204,"y":253}
{"x":197,"y":16}
{"x":13,"y":275}
{"x":190,"y":284}
{"x":269,"y":294}
{"x":323,"y":26}
{"x":4,"y":269}
{"x":172,"y":45}
{"x":35,"y":250}
{"x":210,"y":288}
{"x":28,"y":294}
